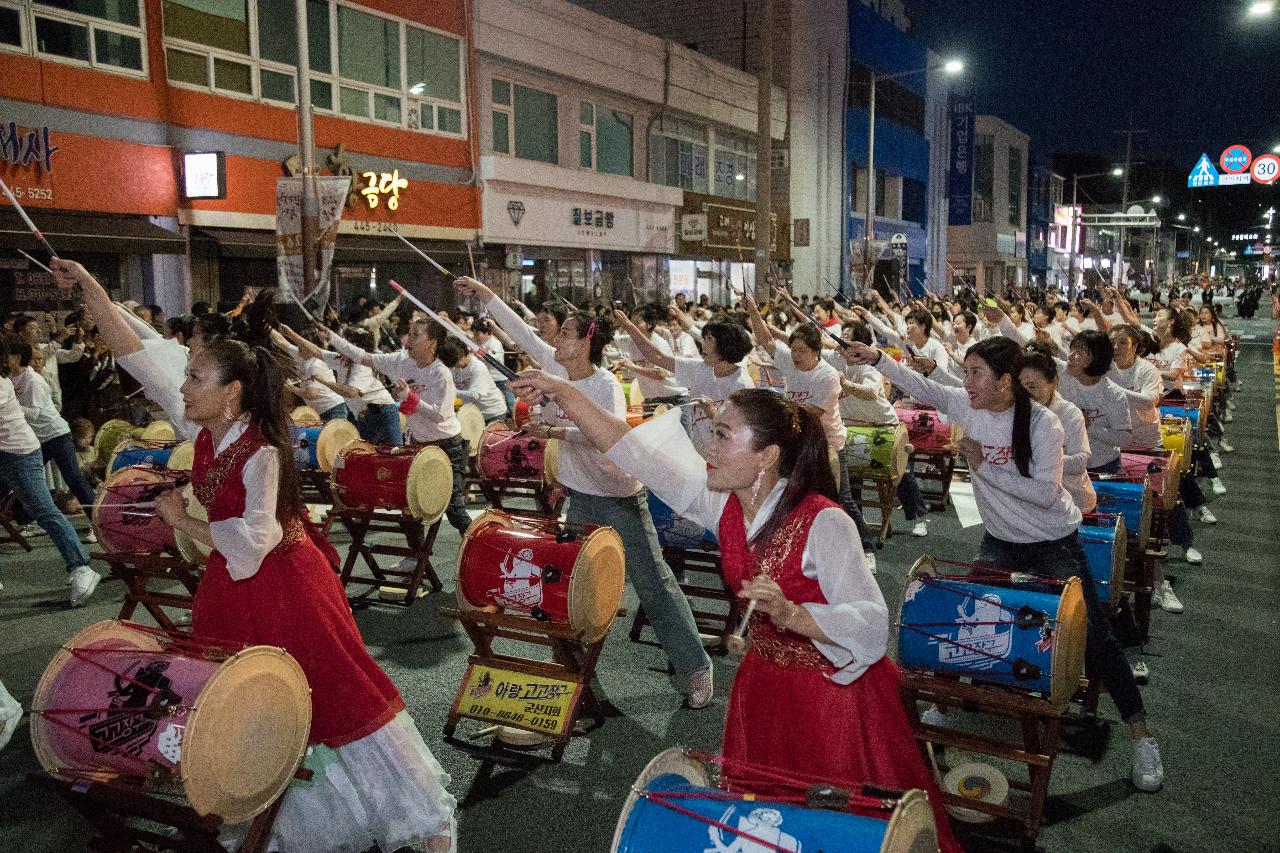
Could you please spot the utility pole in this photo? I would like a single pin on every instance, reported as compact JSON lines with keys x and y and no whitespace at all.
{"x":1118,"y":272}
{"x":764,"y":151}
{"x":306,"y":145}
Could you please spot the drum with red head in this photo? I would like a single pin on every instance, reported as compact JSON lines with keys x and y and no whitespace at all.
{"x":926,"y":430}
{"x":542,"y":568}
{"x":224,"y":728}
{"x":415,"y":479}
{"x":124,"y":510}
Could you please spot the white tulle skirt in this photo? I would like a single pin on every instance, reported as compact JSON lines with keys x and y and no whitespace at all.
{"x":385,"y":789}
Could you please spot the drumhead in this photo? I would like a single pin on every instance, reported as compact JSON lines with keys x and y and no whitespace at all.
{"x":551,"y":462}
{"x":901,"y":452}
{"x":128,"y":474}
{"x":335,"y":435}
{"x":304,"y":416}
{"x":183,"y":457}
{"x":120,"y":635}
{"x":430,"y":484}
{"x":248,"y":734}
{"x":1068,"y":644}
{"x":595,"y":589}
{"x":672,"y":760}
{"x":159,"y":431}
{"x":1120,"y":548}
{"x":975,"y":780}
{"x":911,"y":827}
{"x":109,"y":436}
{"x":471,"y":420}
{"x":192,"y":550}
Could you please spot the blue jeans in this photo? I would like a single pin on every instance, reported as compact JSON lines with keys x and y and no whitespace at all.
{"x":61,"y":451}
{"x":380,"y":424}
{"x":338,"y":412}
{"x":1103,"y":655}
{"x":851,"y":506}
{"x":663,"y":601}
{"x":24,"y":474}
{"x":460,"y":458}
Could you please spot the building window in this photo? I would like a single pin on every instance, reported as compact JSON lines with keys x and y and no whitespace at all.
{"x":388,"y":70}
{"x":587,"y":136}
{"x":678,"y":153}
{"x":1015,"y":186}
{"x":107,"y":36}
{"x":735,"y":165}
{"x":882,"y":193}
{"x":983,"y":176}
{"x":525,"y":122}
{"x":913,"y":201}
{"x":614,"y":144}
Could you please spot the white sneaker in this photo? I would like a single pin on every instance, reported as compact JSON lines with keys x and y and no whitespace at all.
{"x":1169,"y":602}
{"x":1204,"y":513}
{"x":1225,"y":446}
{"x":84,"y":581}
{"x":90,"y":538}
{"x":870,"y":557}
{"x":933,"y":716}
{"x":1228,"y":417}
{"x":921,"y":528}
{"x":32,"y":530}
{"x":1148,"y":771}
{"x":1219,"y":488}
{"x":1231,"y":404}
{"x":1215,"y":459}
{"x":1193,"y":556}
{"x":701,"y":689}
{"x":1140,"y":672}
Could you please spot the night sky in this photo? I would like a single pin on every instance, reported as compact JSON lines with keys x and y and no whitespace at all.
{"x":1197,"y":73}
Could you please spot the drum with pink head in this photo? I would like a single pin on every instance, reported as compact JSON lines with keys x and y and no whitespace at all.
{"x":926,"y":430}
{"x":124,"y":510}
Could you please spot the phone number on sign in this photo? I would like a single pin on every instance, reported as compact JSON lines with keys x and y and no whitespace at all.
{"x":37,"y":193}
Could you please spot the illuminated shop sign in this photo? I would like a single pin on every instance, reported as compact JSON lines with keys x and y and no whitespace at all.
{"x":204,"y":174}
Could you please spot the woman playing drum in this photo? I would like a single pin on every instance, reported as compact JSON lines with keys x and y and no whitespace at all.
{"x":1014,"y":448}
{"x":269,"y":581}
{"x":815,"y":698}
{"x":600,"y":493}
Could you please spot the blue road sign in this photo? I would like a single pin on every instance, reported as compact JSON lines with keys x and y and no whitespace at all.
{"x":1203,"y":174}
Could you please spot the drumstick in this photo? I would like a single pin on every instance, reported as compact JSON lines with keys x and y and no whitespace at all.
{"x":736,"y":643}
{"x":26,"y":219}
{"x":34,"y":261}
{"x":840,"y":342}
{"x":457,"y":333}
{"x":472,"y":261}
{"x":424,"y":255}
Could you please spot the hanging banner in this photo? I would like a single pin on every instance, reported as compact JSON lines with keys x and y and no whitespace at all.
{"x":331,"y":195}
{"x":960,"y":169}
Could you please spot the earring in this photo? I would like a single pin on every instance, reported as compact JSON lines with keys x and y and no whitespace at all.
{"x":228,"y":414}
{"x":755,"y":489}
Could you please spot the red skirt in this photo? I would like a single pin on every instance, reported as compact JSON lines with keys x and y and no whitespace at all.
{"x":802,"y":724}
{"x":296,"y":602}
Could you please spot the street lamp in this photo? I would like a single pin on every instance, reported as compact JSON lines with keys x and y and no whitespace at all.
{"x":1155,"y":199}
{"x":1182,"y":217}
{"x":1078,"y":226}
{"x":1261,"y":8}
{"x":951,"y":67}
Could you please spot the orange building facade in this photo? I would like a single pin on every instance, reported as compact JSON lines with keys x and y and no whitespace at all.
{"x":104,"y":99}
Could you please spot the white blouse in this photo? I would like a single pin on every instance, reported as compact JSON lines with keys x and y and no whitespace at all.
{"x":855,"y":617}
{"x":246,"y":540}
{"x":160,"y":368}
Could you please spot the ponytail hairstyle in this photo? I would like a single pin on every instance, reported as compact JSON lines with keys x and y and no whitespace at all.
{"x":803,"y":458}
{"x":597,"y":327}
{"x":1004,"y":357}
{"x":261,"y":378}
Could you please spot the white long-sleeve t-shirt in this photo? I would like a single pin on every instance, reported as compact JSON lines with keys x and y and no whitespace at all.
{"x":1075,"y":453}
{"x":37,"y":405}
{"x":1106,"y":415}
{"x":1143,"y":388}
{"x":16,"y":435}
{"x":819,"y":387}
{"x":855,"y":617}
{"x":476,"y":386}
{"x":582,"y":467}
{"x":701,"y":380}
{"x":1014,"y":508}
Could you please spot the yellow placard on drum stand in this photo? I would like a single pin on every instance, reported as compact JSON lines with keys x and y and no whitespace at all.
{"x":535,"y":703}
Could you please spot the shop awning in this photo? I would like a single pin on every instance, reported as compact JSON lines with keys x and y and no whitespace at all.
{"x":351,"y":248}
{"x":69,"y":232}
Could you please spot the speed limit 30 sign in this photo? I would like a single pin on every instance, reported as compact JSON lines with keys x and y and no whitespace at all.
{"x":1265,"y":169}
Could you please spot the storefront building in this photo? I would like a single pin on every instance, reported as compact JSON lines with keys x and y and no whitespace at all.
{"x":593,"y":137}
{"x":127,"y":93}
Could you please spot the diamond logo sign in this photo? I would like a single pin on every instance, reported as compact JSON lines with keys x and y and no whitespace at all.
{"x":1203,"y":174}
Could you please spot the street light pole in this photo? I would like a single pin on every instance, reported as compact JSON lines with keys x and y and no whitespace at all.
{"x":1075,"y":225}
{"x":868,"y":265}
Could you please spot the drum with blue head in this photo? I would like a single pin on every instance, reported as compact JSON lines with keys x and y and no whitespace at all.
{"x":675,"y":531}
{"x":141,"y":451}
{"x":1015,"y":635}
{"x":673,"y":809}
{"x":305,"y":441}
{"x":1130,"y":500}
{"x":1106,"y":548}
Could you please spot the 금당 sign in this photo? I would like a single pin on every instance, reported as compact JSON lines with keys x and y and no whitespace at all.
{"x":1238,"y":167}
{"x":533,"y":702}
